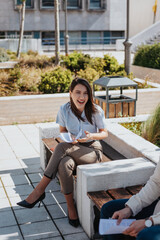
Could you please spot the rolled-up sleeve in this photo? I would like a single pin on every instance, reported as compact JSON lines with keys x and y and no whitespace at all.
{"x":60,"y":117}
{"x":100,"y":118}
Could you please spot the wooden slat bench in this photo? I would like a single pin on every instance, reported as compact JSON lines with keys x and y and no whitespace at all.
{"x":108,"y":152}
{"x":101,"y":197}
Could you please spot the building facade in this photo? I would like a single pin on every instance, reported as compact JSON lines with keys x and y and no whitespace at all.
{"x":89,"y":21}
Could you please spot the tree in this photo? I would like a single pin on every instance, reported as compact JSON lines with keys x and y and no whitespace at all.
{"x":57,"y":38}
{"x":21,"y":28}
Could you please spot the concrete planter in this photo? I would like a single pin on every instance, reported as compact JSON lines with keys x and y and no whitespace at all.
{"x":150,"y":74}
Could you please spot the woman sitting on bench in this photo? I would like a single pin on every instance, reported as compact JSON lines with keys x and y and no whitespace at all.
{"x":144,"y":206}
{"x":80,"y":115}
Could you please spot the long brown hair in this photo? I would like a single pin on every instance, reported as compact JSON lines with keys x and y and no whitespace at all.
{"x":89,"y":107}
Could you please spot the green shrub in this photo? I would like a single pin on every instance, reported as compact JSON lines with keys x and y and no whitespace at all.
{"x":89,"y":74}
{"x":148,"y":56}
{"x":32,"y":53}
{"x":151,"y":128}
{"x":56,"y":81}
{"x":29,"y":79}
{"x":3,"y":55}
{"x":75,"y":61}
{"x":98,"y":64}
{"x":12,"y":55}
{"x":111,"y":64}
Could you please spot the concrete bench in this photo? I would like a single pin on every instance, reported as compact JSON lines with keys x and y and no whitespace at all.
{"x":142,"y":157}
{"x":101,"y":197}
{"x":105,"y":176}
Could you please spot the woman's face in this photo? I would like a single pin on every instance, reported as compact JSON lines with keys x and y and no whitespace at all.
{"x":79,"y":96}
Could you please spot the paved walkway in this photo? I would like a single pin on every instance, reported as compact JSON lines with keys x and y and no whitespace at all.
{"x":19,"y":173}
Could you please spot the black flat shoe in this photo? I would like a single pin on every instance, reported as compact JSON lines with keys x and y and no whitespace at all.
{"x":73,"y":222}
{"x":25,"y":204}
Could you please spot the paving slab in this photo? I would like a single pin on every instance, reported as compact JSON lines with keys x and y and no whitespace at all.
{"x":35,"y":177}
{"x":6,"y":150}
{"x":54,"y":198}
{"x":58,"y":210}
{"x":33,"y":169}
{"x":31,"y":132}
{"x":12,"y":172}
{"x":10,"y":233}
{"x":4,"y":204}
{"x":15,"y":180}
{"x":66,"y":228}
{"x":39,"y":230}
{"x":53,"y":186}
{"x":7,"y":218}
{"x":20,"y":190}
{"x":79,"y":236}
{"x":21,"y":150}
{"x":53,"y":238}
{"x":35,"y":214}
{"x":9,"y":165}
{"x":30,"y":161}
{"x":2,"y":193}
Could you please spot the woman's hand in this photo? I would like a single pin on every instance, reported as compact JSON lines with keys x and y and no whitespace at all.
{"x":135,"y":228}
{"x":74,"y":139}
{"x":122,"y":214}
{"x":88,"y":137}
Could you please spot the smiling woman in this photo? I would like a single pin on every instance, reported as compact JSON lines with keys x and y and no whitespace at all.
{"x":79,"y":115}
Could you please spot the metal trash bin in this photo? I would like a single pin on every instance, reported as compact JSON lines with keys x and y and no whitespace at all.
{"x":116,"y":105}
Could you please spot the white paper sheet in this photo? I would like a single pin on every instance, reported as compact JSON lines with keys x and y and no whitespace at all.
{"x":66,"y":136}
{"x":109,"y":226}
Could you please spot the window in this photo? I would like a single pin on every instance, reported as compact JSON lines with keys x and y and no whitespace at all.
{"x":47,"y":4}
{"x":28,"y":35}
{"x":36,"y":34}
{"x":94,"y":38}
{"x":74,"y":37}
{"x":29,"y":3}
{"x":48,"y":38}
{"x":2,"y":35}
{"x":74,"y":4}
{"x":11,"y":34}
{"x":96,"y":4}
{"x":116,"y":35}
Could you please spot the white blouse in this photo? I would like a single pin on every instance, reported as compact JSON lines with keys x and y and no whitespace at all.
{"x":66,"y":118}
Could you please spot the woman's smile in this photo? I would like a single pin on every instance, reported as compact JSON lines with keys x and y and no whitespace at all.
{"x":79,"y":96}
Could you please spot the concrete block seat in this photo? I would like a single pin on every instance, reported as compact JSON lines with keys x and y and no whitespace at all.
{"x":134,"y":168}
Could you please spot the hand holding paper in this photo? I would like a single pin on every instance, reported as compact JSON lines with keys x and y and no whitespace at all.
{"x":109,"y":226}
{"x":67,"y":137}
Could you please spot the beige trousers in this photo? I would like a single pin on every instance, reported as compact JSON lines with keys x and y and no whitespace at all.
{"x":67,"y":156}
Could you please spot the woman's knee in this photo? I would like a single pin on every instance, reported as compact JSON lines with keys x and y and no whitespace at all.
{"x":66,"y":166}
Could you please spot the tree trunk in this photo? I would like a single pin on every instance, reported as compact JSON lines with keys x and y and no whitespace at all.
{"x":57,"y":38}
{"x":21,"y":29}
